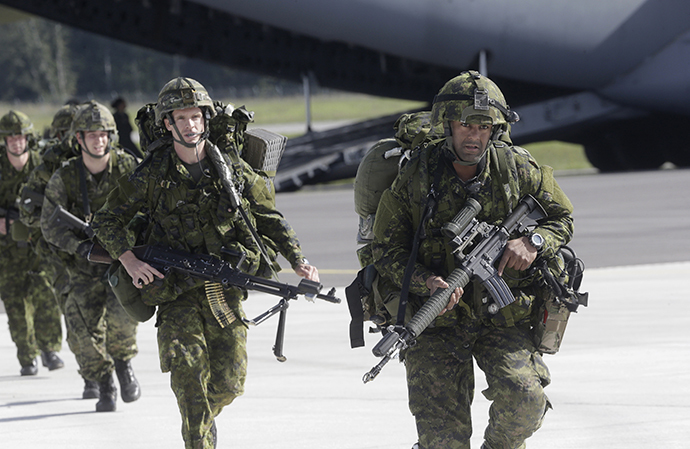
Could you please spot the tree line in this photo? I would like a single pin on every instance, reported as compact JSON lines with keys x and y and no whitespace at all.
{"x":44,"y":61}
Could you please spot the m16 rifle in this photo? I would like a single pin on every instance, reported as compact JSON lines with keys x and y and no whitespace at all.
{"x":478,"y":263}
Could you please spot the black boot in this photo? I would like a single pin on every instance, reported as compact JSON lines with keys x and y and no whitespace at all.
{"x":129,"y":385}
{"x":91,"y":390}
{"x":108,"y":395}
{"x":51,"y":360}
{"x":29,"y":370}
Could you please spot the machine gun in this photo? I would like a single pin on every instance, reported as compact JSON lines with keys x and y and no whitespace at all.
{"x":216,"y":270}
{"x":478,"y":263}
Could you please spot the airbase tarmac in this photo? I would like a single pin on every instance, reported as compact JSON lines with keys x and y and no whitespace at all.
{"x":621,"y":379}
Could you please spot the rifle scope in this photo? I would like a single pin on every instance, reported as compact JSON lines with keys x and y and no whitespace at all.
{"x":469,"y":210}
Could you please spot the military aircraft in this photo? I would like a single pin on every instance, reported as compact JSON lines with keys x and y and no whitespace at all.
{"x":611,"y":75}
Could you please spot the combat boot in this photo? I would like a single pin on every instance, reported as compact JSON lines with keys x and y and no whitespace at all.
{"x":51,"y":360}
{"x":107,"y":395}
{"x":29,"y":370}
{"x":91,"y":390}
{"x":129,"y":385}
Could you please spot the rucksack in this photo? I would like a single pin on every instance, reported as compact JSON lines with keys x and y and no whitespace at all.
{"x":260,"y":148}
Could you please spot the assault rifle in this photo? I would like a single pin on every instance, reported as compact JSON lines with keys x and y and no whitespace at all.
{"x":9,"y":214}
{"x":216,"y":270}
{"x":478,"y":263}
{"x":63,"y":216}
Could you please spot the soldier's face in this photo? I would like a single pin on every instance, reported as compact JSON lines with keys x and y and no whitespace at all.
{"x":16,"y":144}
{"x":470,"y":140}
{"x":190,"y":123}
{"x":96,"y":142}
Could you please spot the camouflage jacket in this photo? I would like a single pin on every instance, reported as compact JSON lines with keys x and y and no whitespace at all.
{"x":400,"y":211}
{"x":10,"y":183}
{"x":64,"y":189}
{"x":51,"y":159}
{"x":192,"y":216}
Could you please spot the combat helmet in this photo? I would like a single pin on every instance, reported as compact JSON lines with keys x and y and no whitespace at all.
{"x":93,"y":116}
{"x":183,"y":93}
{"x":15,"y":123}
{"x":471,"y":96}
{"x":62,"y":120}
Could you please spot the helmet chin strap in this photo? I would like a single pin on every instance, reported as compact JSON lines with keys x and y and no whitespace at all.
{"x":84,"y":147}
{"x":177,"y":135}
{"x":448,"y":145}
{"x":26,"y":148}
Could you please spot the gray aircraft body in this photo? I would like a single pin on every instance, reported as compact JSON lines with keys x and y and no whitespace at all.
{"x":613,"y":76}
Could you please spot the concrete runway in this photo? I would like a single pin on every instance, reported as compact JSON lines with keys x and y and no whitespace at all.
{"x":621,"y":380}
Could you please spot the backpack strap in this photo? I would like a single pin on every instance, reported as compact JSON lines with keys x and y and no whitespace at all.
{"x":507,"y":173}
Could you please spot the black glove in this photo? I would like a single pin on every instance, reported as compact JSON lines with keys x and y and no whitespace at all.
{"x":84,"y":249}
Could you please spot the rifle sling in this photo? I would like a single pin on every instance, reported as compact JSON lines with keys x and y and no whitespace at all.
{"x":429,"y":206}
{"x":84,"y":193}
{"x":223,"y":169}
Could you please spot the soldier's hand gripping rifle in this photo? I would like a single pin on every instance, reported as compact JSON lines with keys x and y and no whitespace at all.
{"x":216,"y":270}
{"x":479,"y":263}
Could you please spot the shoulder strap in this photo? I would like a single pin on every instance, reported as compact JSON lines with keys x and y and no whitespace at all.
{"x":507,"y":172}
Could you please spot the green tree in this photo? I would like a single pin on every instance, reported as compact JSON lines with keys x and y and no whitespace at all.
{"x":35,"y":61}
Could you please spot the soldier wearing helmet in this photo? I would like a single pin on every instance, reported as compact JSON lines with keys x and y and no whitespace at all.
{"x":474,"y":158}
{"x":178,"y":187}
{"x":33,"y":314}
{"x":62,"y":122}
{"x":101,"y":334}
{"x":31,"y":202}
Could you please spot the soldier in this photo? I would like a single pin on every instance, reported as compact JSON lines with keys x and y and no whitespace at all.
{"x":471,"y":161}
{"x":102,"y":335}
{"x":187,"y":208}
{"x":31,"y":193}
{"x":33,"y":314}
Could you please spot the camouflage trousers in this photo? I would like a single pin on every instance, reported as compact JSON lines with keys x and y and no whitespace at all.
{"x":98,"y":328}
{"x":32,"y":312}
{"x":207,"y":363}
{"x":440,"y":379}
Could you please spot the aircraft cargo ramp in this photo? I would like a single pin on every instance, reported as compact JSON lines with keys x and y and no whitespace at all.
{"x":329,"y":155}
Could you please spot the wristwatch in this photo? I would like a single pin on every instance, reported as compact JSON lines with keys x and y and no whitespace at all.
{"x":536,"y":240}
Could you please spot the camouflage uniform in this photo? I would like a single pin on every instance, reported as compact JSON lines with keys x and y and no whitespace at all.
{"x":439,"y":367}
{"x":99,"y":327}
{"x":30,"y":215}
{"x":32,"y":312}
{"x":207,"y":363}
